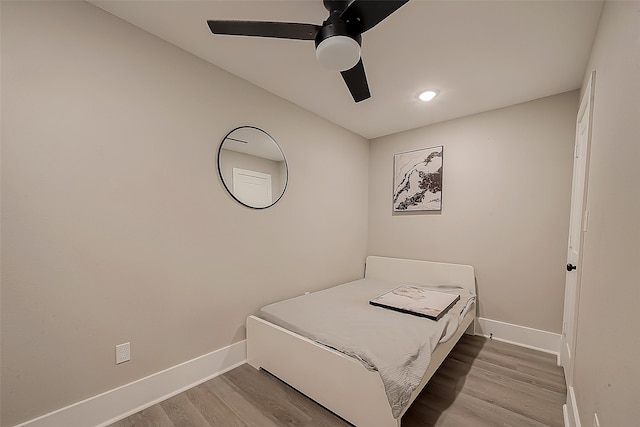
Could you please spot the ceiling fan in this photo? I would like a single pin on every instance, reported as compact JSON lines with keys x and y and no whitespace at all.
{"x":337,"y":40}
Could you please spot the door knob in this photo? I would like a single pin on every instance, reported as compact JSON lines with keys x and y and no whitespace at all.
{"x":571,"y":267}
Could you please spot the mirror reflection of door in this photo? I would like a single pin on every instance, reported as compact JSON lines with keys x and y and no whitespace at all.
{"x":258,"y":156}
{"x":252,"y":188}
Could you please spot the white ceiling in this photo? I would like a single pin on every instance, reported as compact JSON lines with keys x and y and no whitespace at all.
{"x":480,"y":55}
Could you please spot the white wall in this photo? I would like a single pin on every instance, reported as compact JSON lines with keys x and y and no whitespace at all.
{"x":115,"y":226}
{"x":607,"y":372}
{"x":506,"y":195}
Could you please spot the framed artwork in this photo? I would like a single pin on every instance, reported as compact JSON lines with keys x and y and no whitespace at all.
{"x":417,"y":180}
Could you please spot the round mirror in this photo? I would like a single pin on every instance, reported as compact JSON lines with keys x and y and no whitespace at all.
{"x":252,"y":167}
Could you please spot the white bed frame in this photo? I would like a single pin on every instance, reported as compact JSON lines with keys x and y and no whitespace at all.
{"x":339,"y":382}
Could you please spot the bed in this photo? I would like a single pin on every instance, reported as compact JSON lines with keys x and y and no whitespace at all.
{"x":344,"y":383}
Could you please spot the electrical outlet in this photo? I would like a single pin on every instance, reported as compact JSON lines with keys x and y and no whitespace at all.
{"x":596,"y":421}
{"x":123,"y":353}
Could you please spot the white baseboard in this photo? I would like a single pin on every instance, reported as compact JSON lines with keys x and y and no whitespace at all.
{"x":519,"y":335}
{"x":116,"y":404}
{"x":570,"y":410}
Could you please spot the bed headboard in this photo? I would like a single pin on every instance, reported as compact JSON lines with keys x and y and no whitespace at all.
{"x":420,"y":272}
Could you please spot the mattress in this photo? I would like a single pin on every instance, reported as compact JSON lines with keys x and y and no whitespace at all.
{"x":397,"y":345}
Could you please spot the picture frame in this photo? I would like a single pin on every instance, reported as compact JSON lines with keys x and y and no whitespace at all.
{"x":417,"y":180}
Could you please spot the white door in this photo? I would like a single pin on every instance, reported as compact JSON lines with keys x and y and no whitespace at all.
{"x":252,"y":188}
{"x":577,"y":226}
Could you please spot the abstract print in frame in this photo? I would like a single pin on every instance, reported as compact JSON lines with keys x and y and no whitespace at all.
{"x":417,"y":180}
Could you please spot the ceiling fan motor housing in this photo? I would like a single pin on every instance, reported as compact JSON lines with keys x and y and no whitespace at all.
{"x":337,"y":47}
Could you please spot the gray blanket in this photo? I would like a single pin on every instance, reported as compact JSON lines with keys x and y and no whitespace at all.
{"x":397,"y":345}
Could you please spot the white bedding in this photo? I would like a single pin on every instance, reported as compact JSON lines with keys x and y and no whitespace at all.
{"x":397,"y":345}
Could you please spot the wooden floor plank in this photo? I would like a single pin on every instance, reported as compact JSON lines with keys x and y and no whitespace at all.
{"x":261,"y":392}
{"x":482,"y":383}
{"x":153,"y":416}
{"x":319,"y":416}
{"x":212,"y":408}
{"x":517,"y":380}
{"x":512,"y":397}
{"x":182,"y":413}
{"x":532,"y":376}
{"x":511,"y":356}
{"x":471,"y":411}
{"x":244,"y":410}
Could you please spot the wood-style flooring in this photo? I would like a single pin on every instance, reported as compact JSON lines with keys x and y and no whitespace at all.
{"x":481,"y":383}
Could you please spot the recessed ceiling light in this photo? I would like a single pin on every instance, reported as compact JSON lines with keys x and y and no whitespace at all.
{"x":427,"y":95}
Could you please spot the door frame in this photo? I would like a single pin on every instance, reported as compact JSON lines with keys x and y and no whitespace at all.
{"x":570,"y":317}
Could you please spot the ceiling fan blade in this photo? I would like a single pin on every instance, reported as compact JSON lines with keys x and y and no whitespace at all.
{"x":363,"y":15}
{"x":356,"y":81}
{"x":281,"y":30}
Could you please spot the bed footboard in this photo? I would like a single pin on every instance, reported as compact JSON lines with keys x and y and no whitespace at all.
{"x":336,"y":381}
{"x":330,"y":378}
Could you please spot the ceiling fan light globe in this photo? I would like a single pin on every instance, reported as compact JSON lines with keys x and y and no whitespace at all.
{"x":338,"y":53}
